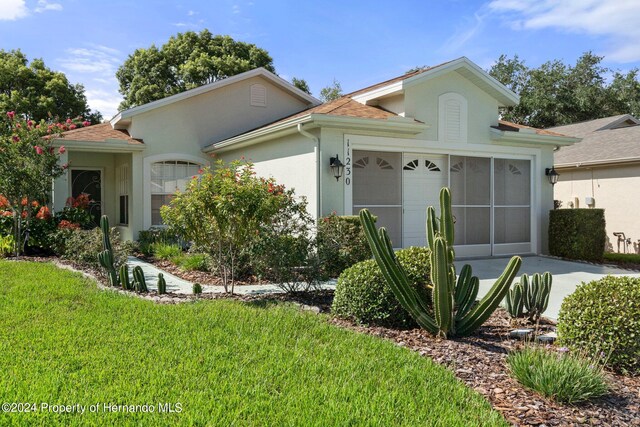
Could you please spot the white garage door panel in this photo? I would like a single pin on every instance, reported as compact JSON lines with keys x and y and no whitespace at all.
{"x":423,"y":177}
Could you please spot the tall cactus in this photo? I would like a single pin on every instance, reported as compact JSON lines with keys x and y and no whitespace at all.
{"x":106,"y":256}
{"x":530,"y":294}
{"x":139,"y":282}
{"x":454,"y":313}
{"x":124,"y":277}
{"x":162,"y":284}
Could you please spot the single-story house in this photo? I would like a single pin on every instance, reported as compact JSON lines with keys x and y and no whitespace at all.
{"x":400,"y":140}
{"x":603,"y":171}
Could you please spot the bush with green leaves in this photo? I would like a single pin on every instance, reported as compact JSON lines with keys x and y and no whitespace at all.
{"x":147,"y":238}
{"x":83,"y":246}
{"x":195,"y":262}
{"x":602,"y":317}
{"x":577,"y":234}
{"x":562,"y":376}
{"x":6,"y":245}
{"x":223,"y":212}
{"x":341,"y":243}
{"x":166,"y":251}
{"x":362,"y":294}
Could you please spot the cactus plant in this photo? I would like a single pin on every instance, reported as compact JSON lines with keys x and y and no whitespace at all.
{"x":106,"y":256}
{"x":197,"y":288}
{"x":162,"y":284}
{"x":139,"y":282}
{"x":531,"y":295}
{"x":124,"y":277}
{"x":454,"y":313}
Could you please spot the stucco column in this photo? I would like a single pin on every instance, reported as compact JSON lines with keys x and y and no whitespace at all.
{"x":61,"y":185}
{"x":136,"y":214}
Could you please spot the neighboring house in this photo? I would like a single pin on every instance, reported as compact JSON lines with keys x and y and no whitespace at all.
{"x":603,"y":171}
{"x":400,"y":140}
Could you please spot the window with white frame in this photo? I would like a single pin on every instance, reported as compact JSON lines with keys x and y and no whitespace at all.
{"x":166,"y":178}
{"x":123,"y":195}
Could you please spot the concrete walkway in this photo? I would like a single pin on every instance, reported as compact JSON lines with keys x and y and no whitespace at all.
{"x":181,"y":286}
{"x":566,"y":275}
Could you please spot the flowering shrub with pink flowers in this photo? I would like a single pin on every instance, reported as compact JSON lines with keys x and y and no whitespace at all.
{"x":28,"y":164}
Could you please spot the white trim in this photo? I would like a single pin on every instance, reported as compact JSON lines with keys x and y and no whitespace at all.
{"x":106,"y":146}
{"x":257,"y":72}
{"x":146,"y":170}
{"x":531,"y":138}
{"x":506,"y":96}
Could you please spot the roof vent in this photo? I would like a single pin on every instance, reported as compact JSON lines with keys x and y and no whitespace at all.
{"x":258,"y":95}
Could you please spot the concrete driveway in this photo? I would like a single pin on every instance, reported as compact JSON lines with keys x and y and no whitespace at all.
{"x":566,"y":275}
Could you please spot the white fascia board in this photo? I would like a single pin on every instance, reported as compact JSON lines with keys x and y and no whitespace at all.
{"x":278,"y":81}
{"x":620,"y":120}
{"x":464,"y":62}
{"x":597,"y":163}
{"x":108,"y":146}
{"x":528,"y":138}
{"x":391,"y":89}
{"x":397,"y":125}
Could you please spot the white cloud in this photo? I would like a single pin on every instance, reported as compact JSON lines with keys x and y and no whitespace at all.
{"x":235,"y":9}
{"x":465,"y":33}
{"x":616,"y":20}
{"x":44,"y":5}
{"x":96,"y":66}
{"x":10,"y":10}
{"x":191,"y":13}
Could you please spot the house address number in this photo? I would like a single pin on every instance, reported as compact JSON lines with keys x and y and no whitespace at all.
{"x":347,"y":163}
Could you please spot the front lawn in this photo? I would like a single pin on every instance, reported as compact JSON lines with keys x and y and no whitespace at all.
{"x":62,"y":341}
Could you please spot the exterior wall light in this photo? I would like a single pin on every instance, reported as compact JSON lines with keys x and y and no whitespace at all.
{"x":552,"y":175}
{"x":337,"y":167}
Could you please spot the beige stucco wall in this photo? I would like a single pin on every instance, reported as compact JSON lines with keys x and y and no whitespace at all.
{"x":189,"y":125}
{"x":421,"y":103}
{"x":291,"y":160}
{"x":614,"y":189}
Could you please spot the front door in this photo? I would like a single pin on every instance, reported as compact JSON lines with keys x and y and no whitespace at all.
{"x":88,"y":181}
{"x":423,"y":176}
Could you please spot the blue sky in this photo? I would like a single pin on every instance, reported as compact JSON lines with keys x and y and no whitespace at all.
{"x":356,"y":42}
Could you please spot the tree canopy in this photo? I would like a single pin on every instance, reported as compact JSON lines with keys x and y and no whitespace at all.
{"x":36,"y":92}
{"x":301,"y":84}
{"x":331,"y":92}
{"x":556,"y":94}
{"x":186,"y":61}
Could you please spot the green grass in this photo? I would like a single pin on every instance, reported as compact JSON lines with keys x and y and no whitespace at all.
{"x":566,"y":378}
{"x":622,"y":258}
{"x":192,"y":262}
{"x":62,"y":341}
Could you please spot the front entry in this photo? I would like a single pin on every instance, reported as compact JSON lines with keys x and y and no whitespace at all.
{"x":89,"y":181}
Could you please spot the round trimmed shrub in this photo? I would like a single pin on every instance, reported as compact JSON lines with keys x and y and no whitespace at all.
{"x":362,"y":293}
{"x":602,"y":318}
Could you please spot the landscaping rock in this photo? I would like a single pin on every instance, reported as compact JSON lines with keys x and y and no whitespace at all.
{"x":521,"y":333}
{"x":548,"y":338}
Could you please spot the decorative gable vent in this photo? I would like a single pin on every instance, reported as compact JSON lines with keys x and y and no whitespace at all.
{"x":258,"y":95}
{"x":452,"y":118}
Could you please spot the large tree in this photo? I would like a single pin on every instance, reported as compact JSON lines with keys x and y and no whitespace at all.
{"x":36,"y":92}
{"x":556,"y":94}
{"x":186,"y":61}
{"x":331,"y":92}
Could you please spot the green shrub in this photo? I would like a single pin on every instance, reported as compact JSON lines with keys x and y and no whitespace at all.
{"x":603,"y":316}
{"x":194,"y":262}
{"x":147,"y":238}
{"x":622,"y":258}
{"x":564,"y":377}
{"x":83,"y":246}
{"x":197,"y":288}
{"x":341,"y":243}
{"x":6,"y":246}
{"x":166,"y":251}
{"x":577,"y":233}
{"x":363,"y":295}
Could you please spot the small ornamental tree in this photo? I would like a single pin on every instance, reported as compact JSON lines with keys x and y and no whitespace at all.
{"x":28,"y":164}
{"x":225,"y":210}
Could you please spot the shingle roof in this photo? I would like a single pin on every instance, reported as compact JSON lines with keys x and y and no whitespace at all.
{"x":514,"y":127}
{"x":99,"y":133}
{"x":598,"y":144}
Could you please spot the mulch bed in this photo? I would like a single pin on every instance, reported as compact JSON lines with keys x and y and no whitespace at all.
{"x":479,"y":361}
